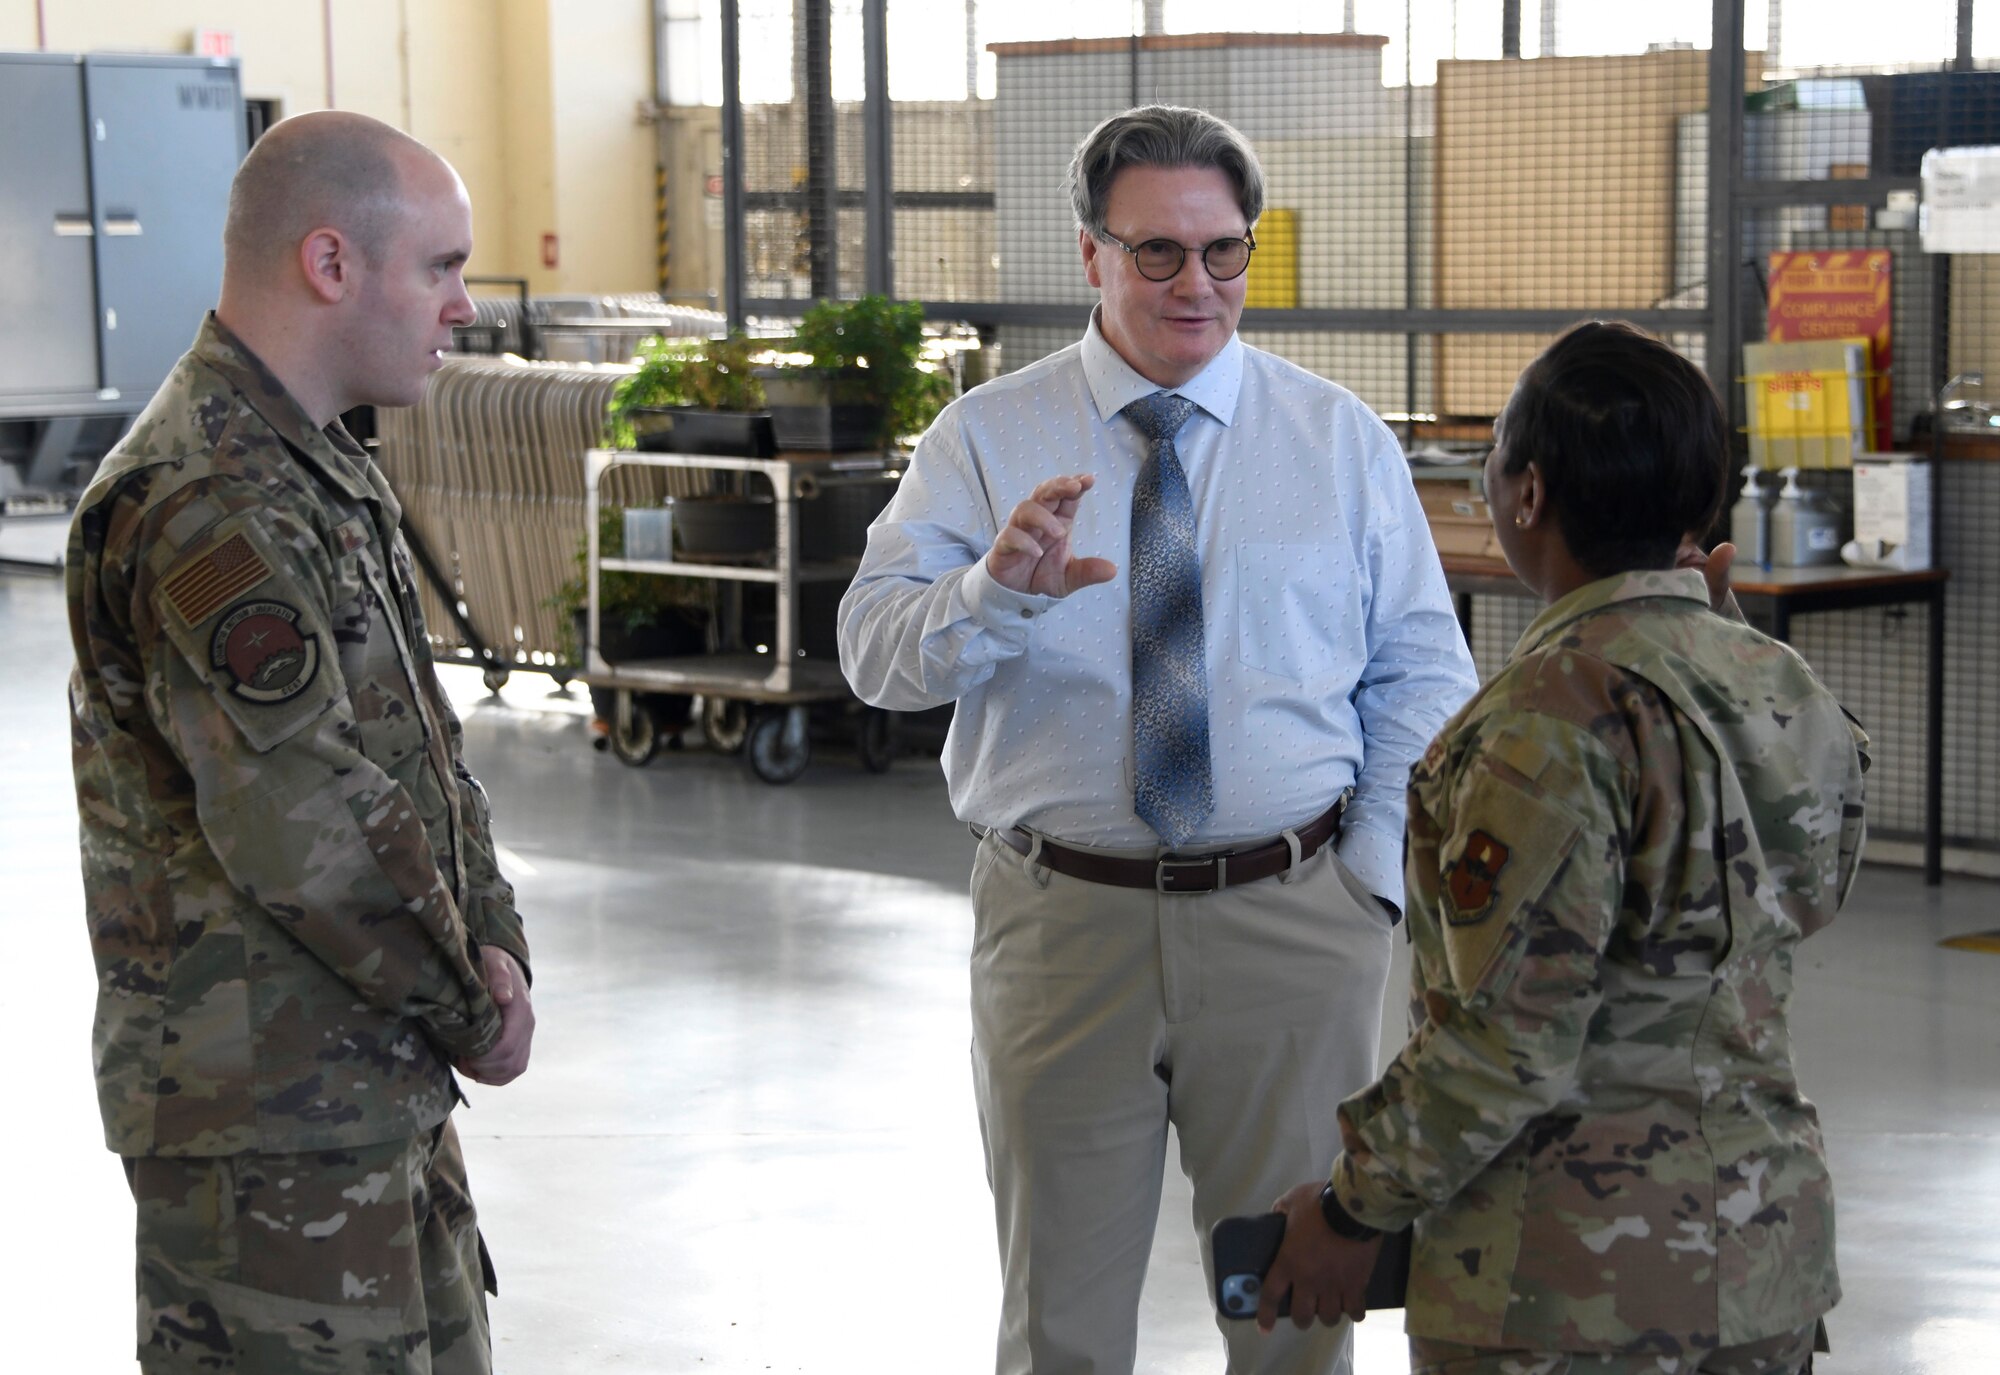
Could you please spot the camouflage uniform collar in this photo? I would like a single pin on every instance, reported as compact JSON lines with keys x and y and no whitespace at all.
{"x":1679,"y":584}
{"x":343,"y":463}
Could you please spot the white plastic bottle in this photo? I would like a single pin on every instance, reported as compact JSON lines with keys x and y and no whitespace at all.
{"x":1750,"y":520}
{"x":1805,"y":526}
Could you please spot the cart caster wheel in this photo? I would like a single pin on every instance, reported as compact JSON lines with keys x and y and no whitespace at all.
{"x":777,"y":749}
{"x":640,"y":740}
{"x":495,"y":678}
{"x":724,"y":724}
{"x":876,"y":740}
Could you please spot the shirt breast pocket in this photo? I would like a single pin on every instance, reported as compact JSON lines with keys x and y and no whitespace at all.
{"x":1300,"y":612}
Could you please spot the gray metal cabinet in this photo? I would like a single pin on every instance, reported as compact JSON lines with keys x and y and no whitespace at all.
{"x":114,"y":184}
{"x":48,"y":300}
{"x":165,"y":140}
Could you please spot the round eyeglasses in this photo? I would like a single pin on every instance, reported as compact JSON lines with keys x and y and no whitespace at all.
{"x":1160,"y":260}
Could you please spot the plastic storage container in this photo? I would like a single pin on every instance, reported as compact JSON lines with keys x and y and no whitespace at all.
{"x":649,"y":533}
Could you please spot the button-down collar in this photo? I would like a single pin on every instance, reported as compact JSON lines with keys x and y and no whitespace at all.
{"x":1115,"y":384}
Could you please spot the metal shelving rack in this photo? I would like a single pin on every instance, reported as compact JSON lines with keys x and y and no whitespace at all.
{"x":773,"y":690}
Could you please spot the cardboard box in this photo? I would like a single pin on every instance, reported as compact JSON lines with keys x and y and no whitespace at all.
{"x":1892,"y":509}
{"x":1459,"y":520}
{"x":1556,"y":188}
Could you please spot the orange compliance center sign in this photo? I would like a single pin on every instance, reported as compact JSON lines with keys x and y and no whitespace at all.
{"x":1837,"y":296}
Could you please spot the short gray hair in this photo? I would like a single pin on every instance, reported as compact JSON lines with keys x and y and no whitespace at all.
{"x":1160,"y":136}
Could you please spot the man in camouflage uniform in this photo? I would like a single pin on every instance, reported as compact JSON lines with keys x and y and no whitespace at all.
{"x":1613,"y":851}
{"x":297,"y":918}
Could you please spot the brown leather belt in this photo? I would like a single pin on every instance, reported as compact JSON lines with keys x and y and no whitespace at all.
{"x":1183,"y":873}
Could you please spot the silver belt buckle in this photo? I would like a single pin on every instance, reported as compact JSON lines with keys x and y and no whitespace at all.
{"x":1220,"y":863}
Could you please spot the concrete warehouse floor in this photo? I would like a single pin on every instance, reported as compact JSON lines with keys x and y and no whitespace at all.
{"x":747,"y":1141}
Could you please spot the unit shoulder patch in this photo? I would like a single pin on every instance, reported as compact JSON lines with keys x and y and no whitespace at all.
{"x":1495,"y":868}
{"x":263,"y":655}
{"x":1472,"y":879}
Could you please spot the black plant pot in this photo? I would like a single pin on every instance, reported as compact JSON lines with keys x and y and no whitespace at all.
{"x":670,"y":637}
{"x":724,"y":526}
{"x":825,"y":411}
{"x":686,"y":430}
{"x":834,"y":524}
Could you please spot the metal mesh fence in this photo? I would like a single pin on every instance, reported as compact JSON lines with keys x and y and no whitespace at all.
{"x":1449,"y":184}
{"x":1933,"y":323}
{"x":1415,"y":180}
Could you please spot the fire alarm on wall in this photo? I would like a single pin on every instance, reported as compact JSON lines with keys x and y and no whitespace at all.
{"x":549,"y":254}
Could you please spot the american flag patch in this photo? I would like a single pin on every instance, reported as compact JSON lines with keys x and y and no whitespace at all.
{"x":205,"y":586}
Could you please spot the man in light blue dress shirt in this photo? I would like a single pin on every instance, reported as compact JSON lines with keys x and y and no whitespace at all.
{"x":1221,"y":965}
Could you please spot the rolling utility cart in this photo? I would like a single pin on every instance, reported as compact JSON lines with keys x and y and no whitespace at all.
{"x":756,"y":701}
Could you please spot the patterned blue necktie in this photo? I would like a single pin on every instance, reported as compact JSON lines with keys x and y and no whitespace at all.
{"x":1176,"y":787}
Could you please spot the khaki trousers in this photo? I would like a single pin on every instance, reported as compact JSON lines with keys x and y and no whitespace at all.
{"x":1100,"y":1015}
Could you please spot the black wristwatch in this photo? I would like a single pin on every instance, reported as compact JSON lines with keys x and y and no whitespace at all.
{"x":1344,"y":1223}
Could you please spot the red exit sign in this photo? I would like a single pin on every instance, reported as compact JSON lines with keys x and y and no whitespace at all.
{"x":214,"y":43}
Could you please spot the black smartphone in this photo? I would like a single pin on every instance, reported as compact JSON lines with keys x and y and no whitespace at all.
{"x":1244,"y":1248}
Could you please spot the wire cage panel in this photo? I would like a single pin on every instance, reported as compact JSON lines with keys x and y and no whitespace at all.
{"x":1444,"y":196}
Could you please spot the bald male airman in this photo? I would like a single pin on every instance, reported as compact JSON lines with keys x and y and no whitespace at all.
{"x":299,"y":925}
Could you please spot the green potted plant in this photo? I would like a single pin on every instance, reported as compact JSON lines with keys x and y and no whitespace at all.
{"x":639,"y":615}
{"x":865,"y":382}
{"x":696,"y":396}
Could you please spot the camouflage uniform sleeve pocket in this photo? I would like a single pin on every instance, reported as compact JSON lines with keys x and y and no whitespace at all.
{"x":1505,"y":846}
{"x":252,"y":632}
